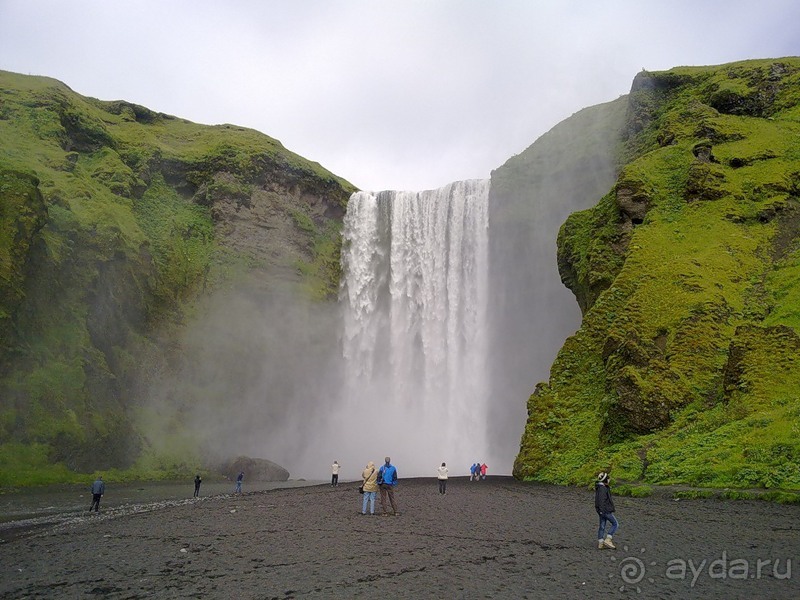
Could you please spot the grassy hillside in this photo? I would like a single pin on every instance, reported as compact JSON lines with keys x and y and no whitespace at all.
{"x":685,"y":368}
{"x":113,"y":220}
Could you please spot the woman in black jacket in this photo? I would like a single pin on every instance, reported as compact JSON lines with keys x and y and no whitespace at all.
{"x":604,"y":505}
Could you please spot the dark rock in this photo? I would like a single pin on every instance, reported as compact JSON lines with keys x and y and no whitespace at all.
{"x":255,"y":469}
{"x":633,"y":204}
{"x":705,"y":182}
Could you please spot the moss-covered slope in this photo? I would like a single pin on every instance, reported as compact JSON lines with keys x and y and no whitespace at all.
{"x":113,"y":220}
{"x":685,"y":368}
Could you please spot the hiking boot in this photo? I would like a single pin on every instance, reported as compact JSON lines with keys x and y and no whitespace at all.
{"x":600,"y":544}
{"x":608,"y":543}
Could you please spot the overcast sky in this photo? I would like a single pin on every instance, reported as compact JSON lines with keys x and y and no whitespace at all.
{"x":389,"y":95}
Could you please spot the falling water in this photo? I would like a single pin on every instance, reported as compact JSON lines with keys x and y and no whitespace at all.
{"x":415,"y":340}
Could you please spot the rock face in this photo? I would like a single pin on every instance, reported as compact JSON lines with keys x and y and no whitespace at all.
{"x":531,"y":195}
{"x":114,"y":221}
{"x":684,"y":367}
{"x":23,"y":215}
{"x":254,"y":469}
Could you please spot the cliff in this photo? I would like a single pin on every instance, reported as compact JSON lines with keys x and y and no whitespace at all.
{"x":114,"y":220}
{"x":531,"y":195}
{"x":685,"y":369}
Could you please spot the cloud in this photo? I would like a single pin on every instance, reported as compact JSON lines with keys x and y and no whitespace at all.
{"x":389,"y":95}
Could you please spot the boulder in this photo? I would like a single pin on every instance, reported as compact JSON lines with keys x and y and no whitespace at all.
{"x":255,"y":469}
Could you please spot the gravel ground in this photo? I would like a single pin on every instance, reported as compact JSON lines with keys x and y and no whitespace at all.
{"x":497,"y":538}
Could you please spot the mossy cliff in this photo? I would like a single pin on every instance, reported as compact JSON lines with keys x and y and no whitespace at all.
{"x":114,"y":219}
{"x":685,"y":368}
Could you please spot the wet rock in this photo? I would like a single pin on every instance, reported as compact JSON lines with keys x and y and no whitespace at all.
{"x":255,"y":469}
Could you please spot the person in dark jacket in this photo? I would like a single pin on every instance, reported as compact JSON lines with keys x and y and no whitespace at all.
{"x":604,"y":505}
{"x":98,"y":489}
{"x":197,"y":481}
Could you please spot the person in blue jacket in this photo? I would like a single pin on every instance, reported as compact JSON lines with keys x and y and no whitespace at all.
{"x":98,"y":489}
{"x":387,"y":481}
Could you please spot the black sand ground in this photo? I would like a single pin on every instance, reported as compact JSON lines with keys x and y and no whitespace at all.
{"x":492,"y":539}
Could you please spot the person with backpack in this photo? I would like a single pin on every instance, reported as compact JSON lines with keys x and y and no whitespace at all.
{"x":483,"y":468}
{"x":604,"y":505}
{"x":387,"y":481}
{"x":369,"y":486}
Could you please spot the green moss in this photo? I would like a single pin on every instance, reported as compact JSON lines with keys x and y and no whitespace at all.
{"x":737,"y":495}
{"x":22,"y":216}
{"x":180,"y":238}
{"x":30,"y":465}
{"x":684,"y":365}
{"x":633,"y":491}
{"x":108,"y":237}
{"x":323,"y":273}
{"x":781,"y":497}
{"x":303,"y":221}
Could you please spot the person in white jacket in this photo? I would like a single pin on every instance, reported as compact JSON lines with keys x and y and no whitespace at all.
{"x":443,"y":479}
{"x":335,"y":473}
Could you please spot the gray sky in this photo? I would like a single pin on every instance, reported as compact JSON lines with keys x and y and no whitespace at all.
{"x":389,"y":95}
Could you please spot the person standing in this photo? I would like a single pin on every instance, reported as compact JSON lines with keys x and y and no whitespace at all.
{"x":98,"y":490}
{"x":197,"y":481}
{"x":370,"y":487}
{"x":442,"y":477}
{"x":239,"y":479}
{"x":387,"y":481}
{"x":483,"y":468}
{"x":472,"y":471}
{"x":335,"y":474}
{"x":604,"y":505}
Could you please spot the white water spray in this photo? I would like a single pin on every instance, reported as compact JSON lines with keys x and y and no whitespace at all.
{"x":415,"y":342}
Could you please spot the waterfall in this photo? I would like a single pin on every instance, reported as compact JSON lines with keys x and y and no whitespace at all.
{"x":414,"y":295}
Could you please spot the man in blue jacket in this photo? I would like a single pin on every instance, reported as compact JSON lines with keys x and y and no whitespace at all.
{"x":387,"y":480}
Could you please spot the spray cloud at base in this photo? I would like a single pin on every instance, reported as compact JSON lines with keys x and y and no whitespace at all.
{"x":398,"y":368}
{"x":252,"y":376}
{"x":451,"y":310}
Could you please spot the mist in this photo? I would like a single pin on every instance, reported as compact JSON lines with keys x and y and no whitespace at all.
{"x":451,"y":310}
{"x":531,"y":312}
{"x":256,"y":373}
